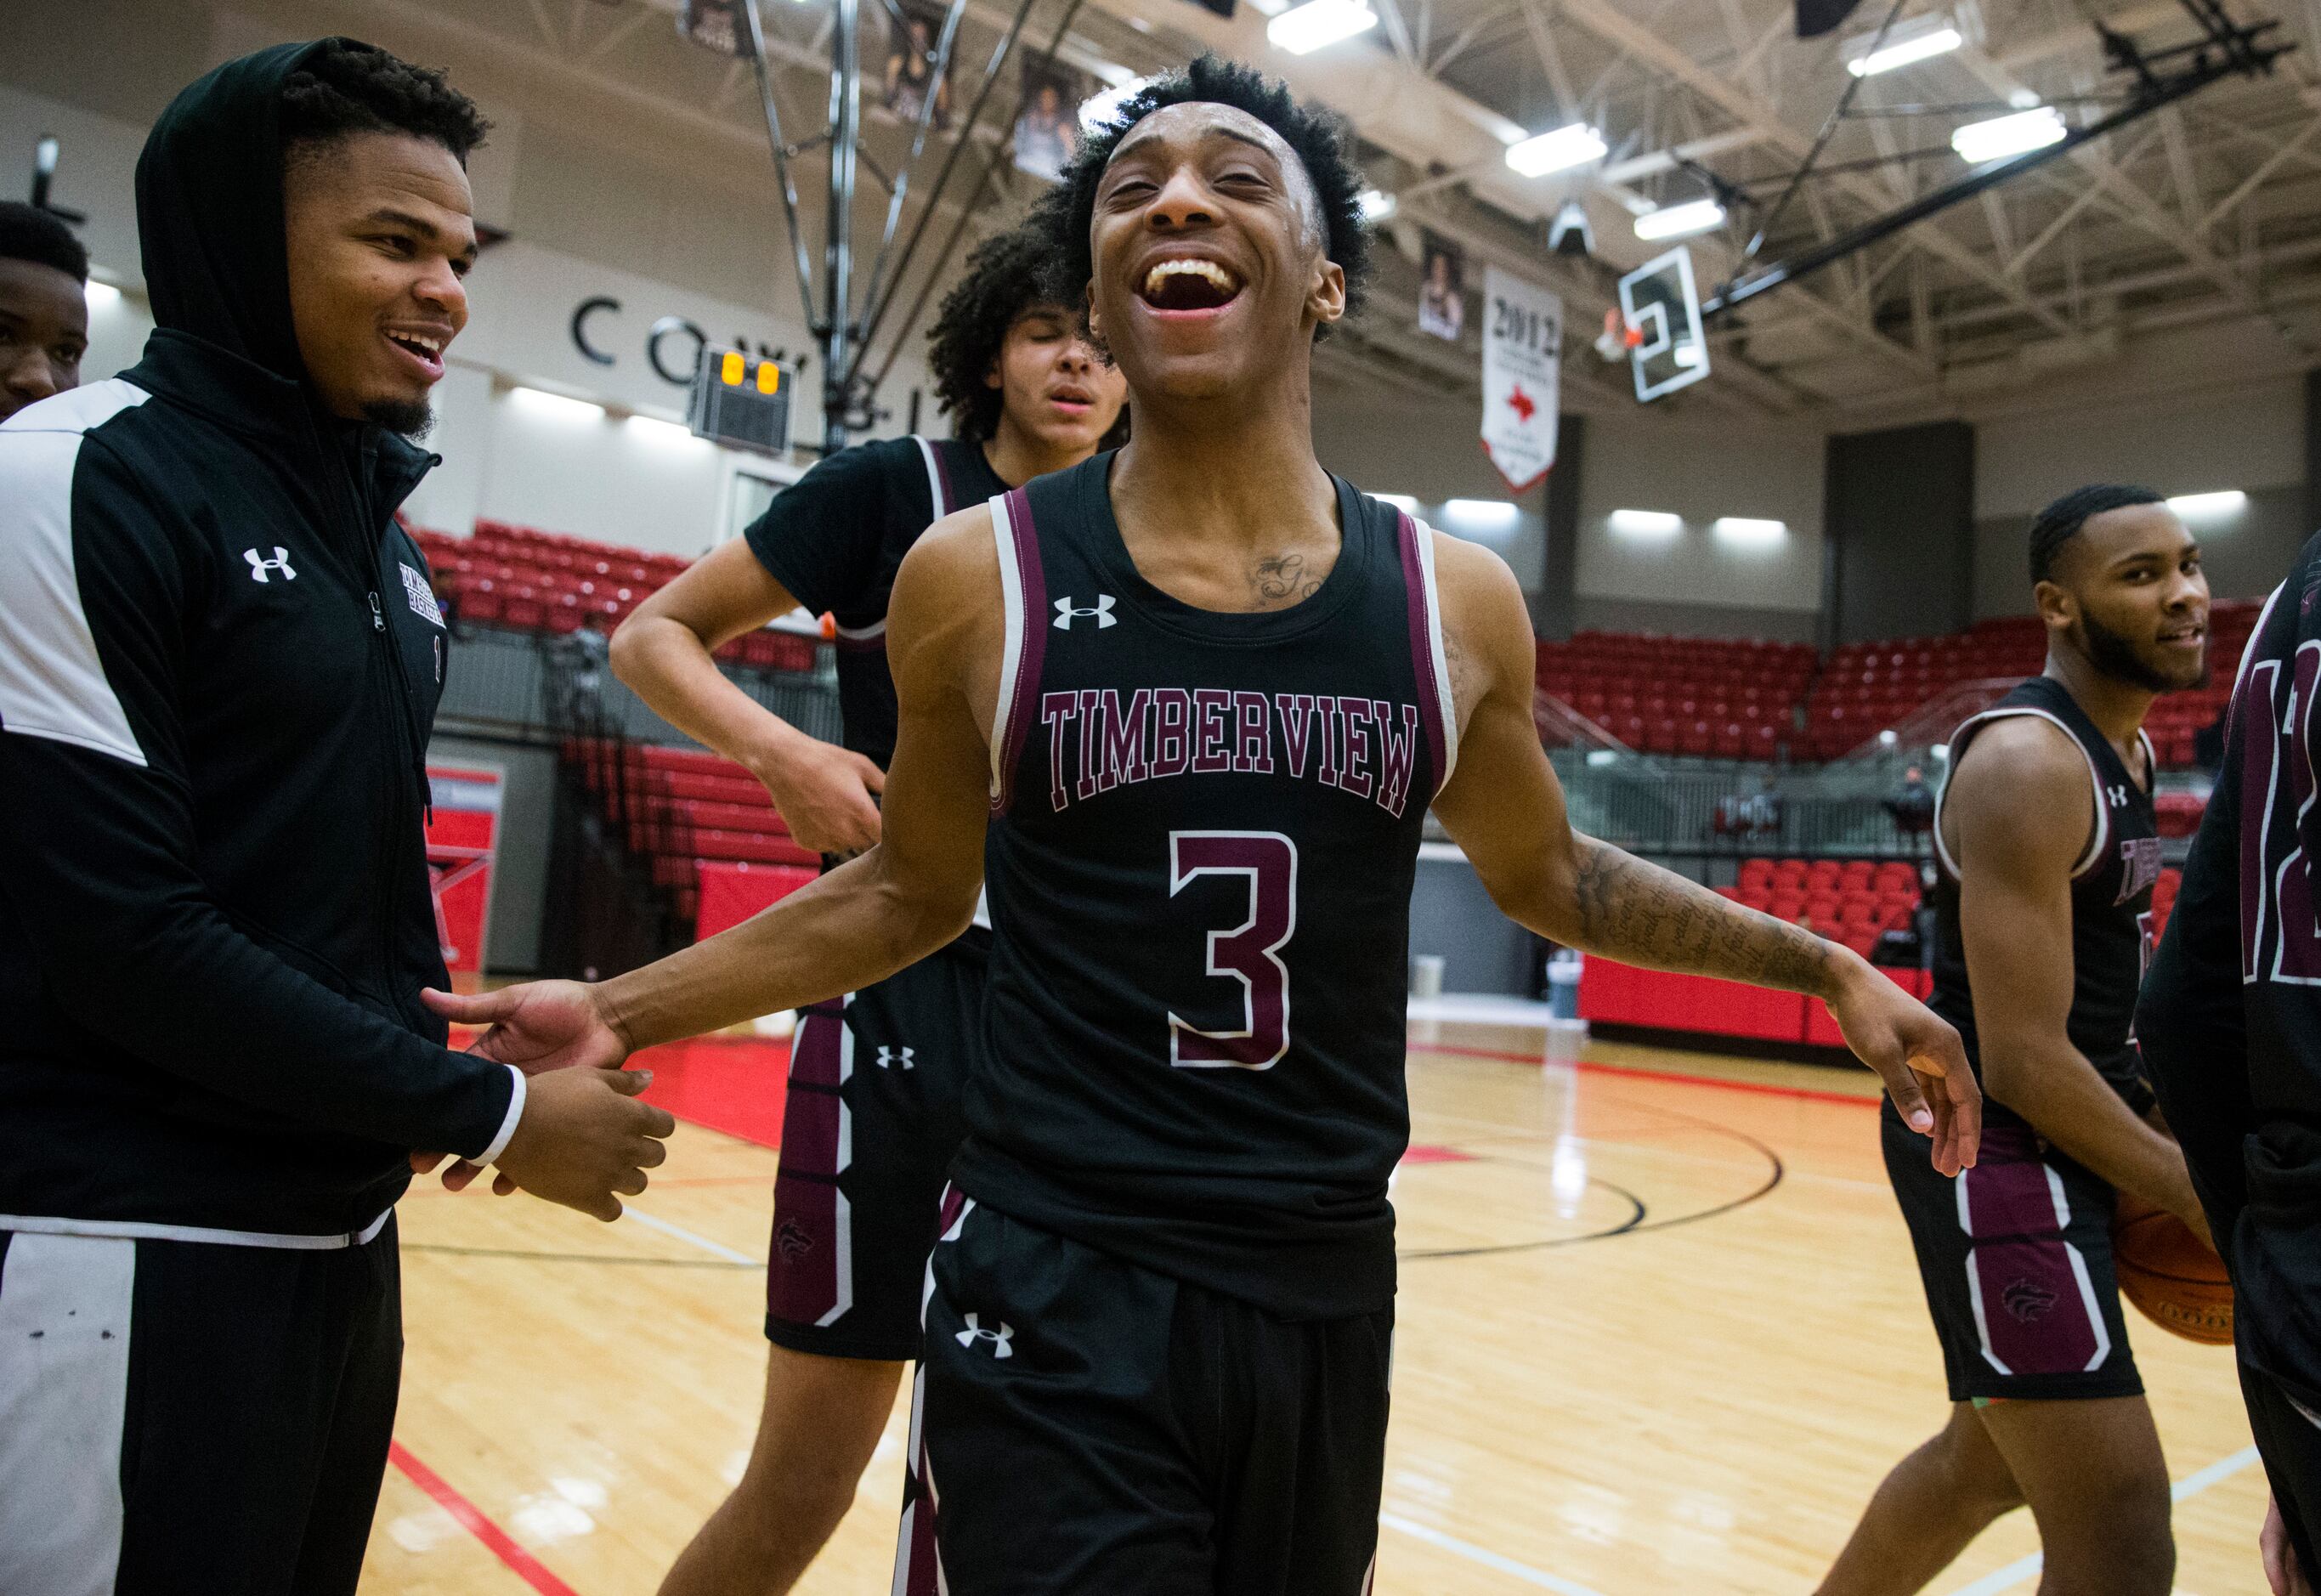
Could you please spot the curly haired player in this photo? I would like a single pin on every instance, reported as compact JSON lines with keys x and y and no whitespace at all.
{"x":863,"y":1150}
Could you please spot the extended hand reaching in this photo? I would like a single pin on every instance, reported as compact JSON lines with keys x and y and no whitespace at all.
{"x":582,"y":1137}
{"x":1919,"y":1056}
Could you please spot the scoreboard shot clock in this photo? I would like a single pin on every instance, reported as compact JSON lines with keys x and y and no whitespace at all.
{"x":740,"y":400}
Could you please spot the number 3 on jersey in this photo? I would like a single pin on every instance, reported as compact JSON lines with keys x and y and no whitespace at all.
{"x":1250,"y":953}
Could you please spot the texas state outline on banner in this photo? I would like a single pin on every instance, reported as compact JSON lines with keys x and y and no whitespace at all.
{"x":1523,"y":359}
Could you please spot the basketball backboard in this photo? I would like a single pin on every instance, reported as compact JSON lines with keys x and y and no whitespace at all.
{"x":1658,"y":300}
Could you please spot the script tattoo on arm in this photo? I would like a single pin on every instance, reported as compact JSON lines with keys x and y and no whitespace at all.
{"x":1281,"y":577}
{"x":1631,"y":910}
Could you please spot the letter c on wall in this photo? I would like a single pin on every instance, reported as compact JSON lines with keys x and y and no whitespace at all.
{"x":581,"y":315}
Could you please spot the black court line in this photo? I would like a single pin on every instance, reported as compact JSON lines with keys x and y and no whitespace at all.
{"x":430,"y":1246}
{"x":1638,"y":1223}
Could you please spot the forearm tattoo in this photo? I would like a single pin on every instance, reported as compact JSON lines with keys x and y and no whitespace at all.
{"x":1641,"y":914}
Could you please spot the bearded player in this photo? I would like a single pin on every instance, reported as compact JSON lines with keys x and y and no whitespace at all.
{"x":864,"y":1150}
{"x":2048,"y":849}
{"x":1195,"y":697}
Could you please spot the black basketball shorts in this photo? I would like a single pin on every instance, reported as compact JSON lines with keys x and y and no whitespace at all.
{"x":2017,"y":1258}
{"x":1085,"y":1425}
{"x":867,"y":1132}
{"x":185,"y":1417}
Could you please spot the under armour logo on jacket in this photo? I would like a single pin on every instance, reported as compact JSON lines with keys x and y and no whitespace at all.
{"x":888,"y":1057}
{"x":281,"y":563}
{"x":999,"y":1338}
{"x":1102,"y":610}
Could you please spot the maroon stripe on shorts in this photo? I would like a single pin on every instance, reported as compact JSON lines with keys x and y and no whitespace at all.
{"x":1034,"y":650}
{"x":802,"y":1261}
{"x":2036,"y":1317}
{"x":1422,"y":645}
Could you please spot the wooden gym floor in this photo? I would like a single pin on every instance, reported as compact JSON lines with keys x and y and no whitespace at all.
{"x":1660,"y":1330}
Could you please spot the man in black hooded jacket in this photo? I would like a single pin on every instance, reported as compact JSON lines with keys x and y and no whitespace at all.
{"x":219,"y":664}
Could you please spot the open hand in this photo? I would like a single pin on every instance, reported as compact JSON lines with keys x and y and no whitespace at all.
{"x":1919,"y":1056}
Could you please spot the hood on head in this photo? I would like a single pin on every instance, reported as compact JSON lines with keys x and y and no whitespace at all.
{"x":209,"y":211}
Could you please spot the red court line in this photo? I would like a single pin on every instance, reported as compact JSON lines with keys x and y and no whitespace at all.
{"x":1764,"y":1089}
{"x":528,"y":1568}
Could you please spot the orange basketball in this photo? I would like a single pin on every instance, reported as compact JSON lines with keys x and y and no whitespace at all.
{"x":2173,"y":1276}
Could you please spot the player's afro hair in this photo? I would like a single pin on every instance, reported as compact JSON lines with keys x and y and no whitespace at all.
{"x":347,"y":88}
{"x":1002,"y":282}
{"x":29,"y":233}
{"x":2060,"y":522}
{"x":1318,"y":137}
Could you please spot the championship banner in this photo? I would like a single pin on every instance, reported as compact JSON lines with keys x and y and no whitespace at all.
{"x":1522,"y":355}
{"x":460,"y":840}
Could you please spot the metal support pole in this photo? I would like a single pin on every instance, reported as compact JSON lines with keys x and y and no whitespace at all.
{"x":838,"y":262}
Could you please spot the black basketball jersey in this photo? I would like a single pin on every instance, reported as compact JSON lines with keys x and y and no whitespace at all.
{"x":1204,"y":831}
{"x":2111,"y":896}
{"x":835,"y":538}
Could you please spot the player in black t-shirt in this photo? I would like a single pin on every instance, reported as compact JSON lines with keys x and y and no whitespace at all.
{"x":873,"y":1116}
{"x":2048,"y":850}
{"x":2231,"y":1025}
{"x":1196,"y":697}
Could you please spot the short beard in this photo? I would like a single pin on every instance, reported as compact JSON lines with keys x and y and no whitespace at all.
{"x":2112,"y":655}
{"x":409,"y":417}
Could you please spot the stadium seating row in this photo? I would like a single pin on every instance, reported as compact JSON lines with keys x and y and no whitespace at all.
{"x":1725,"y":698}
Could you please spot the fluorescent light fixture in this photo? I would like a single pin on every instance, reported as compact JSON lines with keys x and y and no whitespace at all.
{"x":1695,"y":215}
{"x":1264,"y":7}
{"x":102,"y":296}
{"x":1400,"y":501}
{"x":1597,"y":758}
{"x":1887,"y":738}
{"x":1573,"y":144}
{"x":2196,"y":504}
{"x":2002,"y":136}
{"x":1308,"y":27}
{"x":662,"y":432}
{"x":1748,"y":531}
{"x":1941,"y":41}
{"x":1377,"y":205}
{"x":1103,"y":105}
{"x":541,"y":399}
{"x":1940,"y":751}
{"x":1645,"y":523}
{"x":1481,"y":512}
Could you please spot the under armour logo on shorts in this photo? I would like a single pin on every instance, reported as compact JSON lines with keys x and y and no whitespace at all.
{"x":258,"y":567}
{"x":999,"y":1338}
{"x":1102,"y":610}
{"x":889,"y":1057}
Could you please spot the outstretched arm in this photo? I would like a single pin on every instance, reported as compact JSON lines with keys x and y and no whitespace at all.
{"x":896,"y":904}
{"x":1505,"y":809}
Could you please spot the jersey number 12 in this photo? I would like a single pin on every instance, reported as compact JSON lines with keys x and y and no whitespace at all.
{"x":1250,"y":953}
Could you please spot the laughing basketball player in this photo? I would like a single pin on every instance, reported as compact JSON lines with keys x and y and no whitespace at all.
{"x":1197,"y":696}
{"x":2048,"y":851}
{"x":1025,"y":395}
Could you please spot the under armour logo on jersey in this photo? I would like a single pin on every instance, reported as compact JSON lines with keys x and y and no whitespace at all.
{"x":1102,"y":610}
{"x":888,"y":1057}
{"x":999,"y":1338}
{"x":258,"y":567}
{"x":2118,"y":798}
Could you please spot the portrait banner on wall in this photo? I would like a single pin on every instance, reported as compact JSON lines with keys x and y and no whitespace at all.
{"x":1522,"y":356}
{"x":1048,"y":129}
{"x":909,"y":79}
{"x":1442,"y":289}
